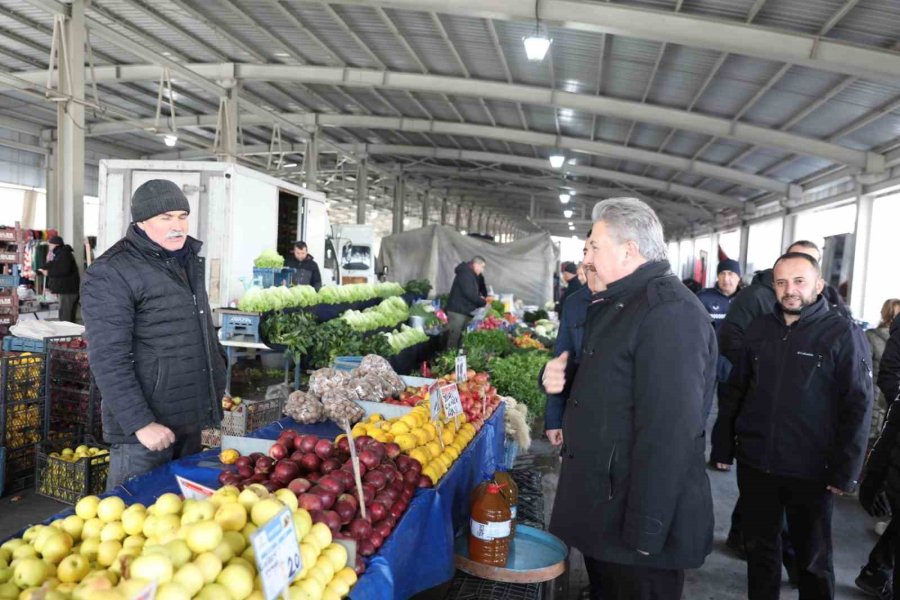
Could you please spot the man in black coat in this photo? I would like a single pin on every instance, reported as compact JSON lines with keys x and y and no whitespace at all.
{"x":306,"y":269}
{"x":889,"y":369}
{"x":633,"y":493}
{"x":466,"y":295}
{"x":151,"y":341}
{"x":831,"y":295}
{"x":573,"y":284}
{"x":62,"y":277}
{"x":795,"y":413}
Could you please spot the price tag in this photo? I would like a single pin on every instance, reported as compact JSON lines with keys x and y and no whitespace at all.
{"x":462,"y":369}
{"x":434,"y":395}
{"x":148,"y":593}
{"x":192,"y":490}
{"x":277,"y":553}
{"x":450,"y":399}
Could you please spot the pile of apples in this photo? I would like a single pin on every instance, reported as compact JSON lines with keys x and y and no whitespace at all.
{"x":232,"y":404}
{"x":191,"y":548}
{"x":478,"y":397}
{"x":492,"y":323}
{"x":319,"y":473}
{"x":411,"y":396}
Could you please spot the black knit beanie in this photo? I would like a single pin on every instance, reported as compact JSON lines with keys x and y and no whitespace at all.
{"x":156,"y":197}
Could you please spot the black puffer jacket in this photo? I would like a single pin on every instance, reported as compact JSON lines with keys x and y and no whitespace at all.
{"x":307,"y":271}
{"x":633,"y":475}
{"x":799,"y":399}
{"x":754,"y":301}
{"x":889,"y":369}
{"x":465,"y":296}
{"x":62,"y":271}
{"x":151,"y":341}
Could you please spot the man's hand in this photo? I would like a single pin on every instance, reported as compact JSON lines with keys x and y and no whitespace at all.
{"x":723,"y":467}
{"x":555,"y":374}
{"x":555,"y":436}
{"x":155,"y":437}
{"x":835,"y":491}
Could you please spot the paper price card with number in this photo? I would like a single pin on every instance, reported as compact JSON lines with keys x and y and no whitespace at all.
{"x":434,"y":397}
{"x":462,"y":368}
{"x":277,"y":553}
{"x":192,"y":490}
{"x":450,"y":399}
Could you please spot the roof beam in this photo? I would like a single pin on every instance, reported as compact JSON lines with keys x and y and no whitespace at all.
{"x":204,"y":74}
{"x":606,"y":149}
{"x":663,"y":26}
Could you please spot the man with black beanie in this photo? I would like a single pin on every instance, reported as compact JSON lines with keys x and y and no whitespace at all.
{"x":62,"y":277}
{"x":151,"y":341}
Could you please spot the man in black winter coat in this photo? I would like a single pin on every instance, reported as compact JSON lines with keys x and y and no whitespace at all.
{"x":466,"y":295}
{"x":62,"y":277}
{"x":633,"y":493}
{"x":151,"y":341}
{"x":889,"y":370}
{"x":306,"y":270}
{"x":795,"y":412}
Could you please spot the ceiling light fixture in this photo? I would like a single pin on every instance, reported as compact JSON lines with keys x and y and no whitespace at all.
{"x":564,"y":198}
{"x":571,"y":228}
{"x":538,"y":42}
{"x":567,"y":214}
{"x":170,"y":140}
{"x":571,"y":224}
{"x":557,"y":160}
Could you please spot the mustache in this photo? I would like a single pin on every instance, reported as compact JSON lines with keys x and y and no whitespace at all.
{"x":175,"y":235}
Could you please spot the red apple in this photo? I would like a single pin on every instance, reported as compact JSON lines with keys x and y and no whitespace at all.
{"x":327,"y":497}
{"x":285,"y":471}
{"x":310,"y":502}
{"x":323,"y":449}
{"x":299,"y":486}
{"x":310,"y":463}
{"x":329,"y":465}
{"x":376,"y":510}
{"x":360,"y":529}
{"x":308,"y":443}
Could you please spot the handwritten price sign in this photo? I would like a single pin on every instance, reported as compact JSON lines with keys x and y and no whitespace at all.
{"x":277,"y":554}
{"x":462,"y":369}
{"x":450,"y":398}
{"x":434,"y":395}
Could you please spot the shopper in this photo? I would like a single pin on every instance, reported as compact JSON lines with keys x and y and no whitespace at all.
{"x":718,"y":298}
{"x":571,"y":334}
{"x":151,"y":342}
{"x":573,"y":284}
{"x":888,"y":380}
{"x":465,"y":297}
{"x":62,"y":277}
{"x":633,"y":493}
{"x":306,"y":269}
{"x":795,"y":413}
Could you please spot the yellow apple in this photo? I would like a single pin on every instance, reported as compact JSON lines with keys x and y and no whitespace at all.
{"x":179,"y":552}
{"x":238,"y":580}
{"x":56,"y":547}
{"x":302,"y":523}
{"x":231,"y":516}
{"x":288,"y":498}
{"x":112,"y":531}
{"x":30,"y":572}
{"x":73,"y":524}
{"x":88,"y":549}
{"x":91,"y":529}
{"x":213,"y":591}
{"x":237,"y":541}
{"x":73,"y":568}
{"x":107,"y":552}
{"x":237,"y":560}
{"x":134,"y":541}
{"x":264,"y":510}
{"x":204,"y":536}
{"x":337,"y":554}
{"x":86,"y":508}
{"x":110,"y":509}
{"x":168,"y":504}
{"x":152,"y":567}
{"x":210,"y":566}
{"x":24,"y":551}
{"x":133,"y":520}
{"x":191,"y":578}
{"x":172,"y":591}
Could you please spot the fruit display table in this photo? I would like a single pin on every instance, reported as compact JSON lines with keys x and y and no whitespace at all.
{"x":418,"y":554}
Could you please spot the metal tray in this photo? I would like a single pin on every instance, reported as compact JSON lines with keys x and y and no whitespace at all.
{"x":534,"y":556}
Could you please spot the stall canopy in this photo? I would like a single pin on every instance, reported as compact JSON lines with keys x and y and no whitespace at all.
{"x":524,"y":267}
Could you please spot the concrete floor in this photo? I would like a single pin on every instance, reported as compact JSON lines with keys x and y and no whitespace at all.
{"x":723,"y":577}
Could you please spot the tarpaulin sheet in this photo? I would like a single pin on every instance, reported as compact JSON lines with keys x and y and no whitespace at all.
{"x":524,"y":267}
{"x":418,"y":554}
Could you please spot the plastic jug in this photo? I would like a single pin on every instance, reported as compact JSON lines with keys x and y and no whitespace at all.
{"x":510,"y":491}
{"x":490,"y":526}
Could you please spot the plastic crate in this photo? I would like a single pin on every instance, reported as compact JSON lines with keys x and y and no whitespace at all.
{"x":72,"y":411}
{"x":255,"y":414}
{"x":11,"y":280}
{"x":19,"y":470}
{"x":239,"y":324}
{"x":22,"y":423}
{"x":69,"y":481}
{"x":18,"y":344}
{"x":270,"y":277}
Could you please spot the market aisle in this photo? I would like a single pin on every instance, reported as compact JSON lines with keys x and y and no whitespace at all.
{"x":32,"y":508}
{"x":723,"y":577}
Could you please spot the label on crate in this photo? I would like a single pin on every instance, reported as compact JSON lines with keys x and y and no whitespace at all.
{"x":490,"y":531}
{"x":192,"y":490}
{"x":451,"y":401}
{"x":148,"y":593}
{"x":462,"y":369}
{"x":277,"y":553}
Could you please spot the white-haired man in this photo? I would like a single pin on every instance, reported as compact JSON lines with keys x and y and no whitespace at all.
{"x":633,"y":492}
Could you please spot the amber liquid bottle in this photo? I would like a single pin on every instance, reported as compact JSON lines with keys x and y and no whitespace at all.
{"x":489,"y":528}
{"x":510,"y":491}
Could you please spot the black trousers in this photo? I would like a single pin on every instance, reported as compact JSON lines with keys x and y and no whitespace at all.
{"x":808,"y":506}
{"x":127,"y":460}
{"x":67,"y":304}
{"x":787,"y":549}
{"x":882,"y":556}
{"x":628,"y":582}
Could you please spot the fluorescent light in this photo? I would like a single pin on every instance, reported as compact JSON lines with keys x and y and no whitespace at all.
{"x":571,"y":228}
{"x":571,"y":224}
{"x":567,"y":213}
{"x":289,"y":165}
{"x":557,"y":160}
{"x":536,"y":45}
{"x":170,"y":140}
{"x":463,"y":232}
{"x":564,"y":198}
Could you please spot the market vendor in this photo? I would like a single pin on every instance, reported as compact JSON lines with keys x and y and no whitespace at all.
{"x":62,"y":277}
{"x":306,"y":269}
{"x":465,"y":297}
{"x":151,"y":343}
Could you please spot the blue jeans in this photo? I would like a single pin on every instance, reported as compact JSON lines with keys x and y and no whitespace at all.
{"x":128,"y":460}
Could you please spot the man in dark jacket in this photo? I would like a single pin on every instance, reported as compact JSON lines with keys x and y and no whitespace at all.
{"x":573,"y":284}
{"x":633,"y":493}
{"x":889,"y":370}
{"x":306,"y":269}
{"x":62,"y":277}
{"x":795,"y":412}
{"x":831,"y":295}
{"x":151,"y":341}
{"x":465,"y":297}
{"x":718,"y":298}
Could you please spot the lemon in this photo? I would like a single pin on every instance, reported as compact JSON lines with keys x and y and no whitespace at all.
{"x":399,"y":428}
{"x":421,"y":436}
{"x":420,"y":455}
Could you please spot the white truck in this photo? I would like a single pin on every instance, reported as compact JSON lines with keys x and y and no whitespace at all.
{"x":349,"y":255}
{"x":235,"y":211}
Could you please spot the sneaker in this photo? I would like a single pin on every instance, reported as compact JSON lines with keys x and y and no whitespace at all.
{"x":735,"y":543}
{"x":881,"y":527}
{"x":875,"y":583}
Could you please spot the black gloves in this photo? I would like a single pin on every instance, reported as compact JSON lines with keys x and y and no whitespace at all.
{"x":873,"y":497}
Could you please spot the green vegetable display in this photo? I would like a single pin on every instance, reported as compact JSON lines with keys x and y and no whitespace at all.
{"x":389,"y":313}
{"x":426,"y":311}
{"x":498,"y":307}
{"x":332,"y":339}
{"x":301,"y":296}
{"x":531,"y":317}
{"x":418,"y":287}
{"x":445,"y":362}
{"x":405,"y":337}
{"x":493,"y":342}
{"x":516,"y":375}
{"x":269,"y":259}
{"x":295,"y":330}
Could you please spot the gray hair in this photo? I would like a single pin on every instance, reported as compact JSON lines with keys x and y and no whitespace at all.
{"x":630,"y":219}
